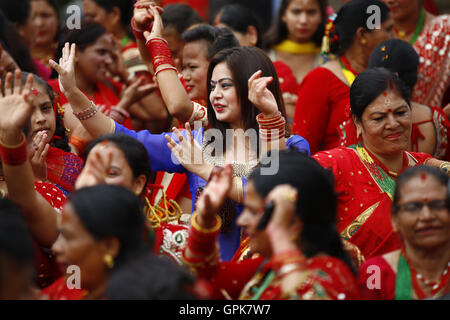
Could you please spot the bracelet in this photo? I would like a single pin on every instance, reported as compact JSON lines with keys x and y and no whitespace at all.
{"x":445,"y":167}
{"x":239,"y":189}
{"x":86,"y":113}
{"x":165,"y":68}
{"x":159,"y":52}
{"x":138,"y":33}
{"x":14,"y":155}
{"x":200,"y":229}
{"x":261,"y":120}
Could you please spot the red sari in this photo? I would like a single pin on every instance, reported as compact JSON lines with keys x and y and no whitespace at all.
{"x":365,"y":191}
{"x":433,"y":47}
{"x":323,"y":277}
{"x":322,"y":102}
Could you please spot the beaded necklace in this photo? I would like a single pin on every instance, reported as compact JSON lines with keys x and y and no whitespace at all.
{"x":407,"y":280}
{"x":417,"y":29}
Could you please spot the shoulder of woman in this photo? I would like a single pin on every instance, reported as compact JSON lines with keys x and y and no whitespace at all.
{"x":421,"y":112}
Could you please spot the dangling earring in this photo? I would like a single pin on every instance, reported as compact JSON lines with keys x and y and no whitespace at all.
{"x":109,"y":261}
{"x":363,"y":41}
{"x":358,"y":132}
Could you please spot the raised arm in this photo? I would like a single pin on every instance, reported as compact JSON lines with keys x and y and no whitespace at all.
{"x":16,"y":107}
{"x":95,"y":123}
{"x":154,"y":51}
{"x":271,"y":123}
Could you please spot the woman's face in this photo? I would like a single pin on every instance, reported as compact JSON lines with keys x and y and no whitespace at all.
{"x":175,"y":44}
{"x":45,"y":20}
{"x":402,"y":9}
{"x":94,"y":12}
{"x":76,"y":246}
{"x":249,"y":219}
{"x":386,"y":124}
{"x":223,"y":96}
{"x":119,"y":172}
{"x":419,"y":225}
{"x":43,"y":117}
{"x":195,"y":69}
{"x":94,"y":60}
{"x":302,"y":18}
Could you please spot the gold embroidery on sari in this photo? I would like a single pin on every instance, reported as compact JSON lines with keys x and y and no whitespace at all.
{"x":348,"y":232}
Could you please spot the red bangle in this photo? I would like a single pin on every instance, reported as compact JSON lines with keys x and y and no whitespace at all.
{"x":159,"y":52}
{"x":138,"y":33}
{"x":165,"y":68}
{"x":14,"y":155}
{"x":261,"y":120}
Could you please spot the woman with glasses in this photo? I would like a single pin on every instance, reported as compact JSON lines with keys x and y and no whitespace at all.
{"x":421,"y":217}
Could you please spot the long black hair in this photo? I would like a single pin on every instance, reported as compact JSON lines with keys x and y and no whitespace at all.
{"x":126,"y":11}
{"x":113,"y":211}
{"x":350,"y":17}
{"x":243,"y":62}
{"x":279,"y":32}
{"x":316,"y":205}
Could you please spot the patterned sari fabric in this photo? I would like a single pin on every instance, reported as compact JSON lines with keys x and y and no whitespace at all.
{"x":322,"y":278}
{"x":365,"y":191}
{"x":63,"y":169}
{"x":433,"y":47}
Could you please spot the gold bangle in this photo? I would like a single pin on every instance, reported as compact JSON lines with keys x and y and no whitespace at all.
{"x":239,"y":190}
{"x":15,"y":146}
{"x":113,"y":127}
{"x":198,"y":228}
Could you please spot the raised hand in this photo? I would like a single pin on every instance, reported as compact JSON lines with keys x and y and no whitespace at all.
{"x":284,"y":198}
{"x":135,"y":92}
{"x":188,"y":151}
{"x":96,"y":168}
{"x":38,"y":154}
{"x":15,"y":108}
{"x":215,"y":193}
{"x":260,"y":96}
{"x":142,"y":16}
{"x":158,"y":26}
{"x":66,"y":69}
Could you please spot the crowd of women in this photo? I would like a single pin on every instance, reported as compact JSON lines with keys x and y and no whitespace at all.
{"x":149,"y":154}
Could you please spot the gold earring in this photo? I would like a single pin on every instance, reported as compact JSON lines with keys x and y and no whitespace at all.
{"x":358,"y":132}
{"x":109,"y":261}
{"x":363,"y":41}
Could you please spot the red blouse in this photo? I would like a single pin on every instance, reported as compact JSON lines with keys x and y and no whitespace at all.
{"x":322,"y":101}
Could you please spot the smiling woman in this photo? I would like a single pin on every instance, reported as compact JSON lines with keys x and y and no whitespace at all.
{"x":365,"y":173}
{"x":420,"y":214}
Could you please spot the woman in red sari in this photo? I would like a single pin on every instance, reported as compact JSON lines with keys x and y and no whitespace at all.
{"x":421,"y":216}
{"x":365,"y":173}
{"x":430,"y":128}
{"x":93,"y":59}
{"x":323,"y":95}
{"x":429,"y":35}
{"x":301,"y":254}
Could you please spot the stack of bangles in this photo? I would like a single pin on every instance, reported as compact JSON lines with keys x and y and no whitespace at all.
{"x":287,"y":262}
{"x":87,"y":113}
{"x":160,"y":54}
{"x":201,"y":241}
{"x":272,"y":128}
{"x":14,"y":155}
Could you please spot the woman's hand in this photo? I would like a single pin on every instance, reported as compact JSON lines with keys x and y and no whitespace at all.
{"x":260,"y":96}
{"x":38,"y":154}
{"x":15,"y":108}
{"x":143,"y":18}
{"x":96,"y":169}
{"x":214,"y":195}
{"x":135,"y":92}
{"x":66,"y":69}
{"x":189,"y":152}
{"x":158,"y":26}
